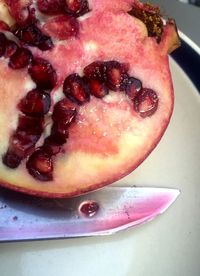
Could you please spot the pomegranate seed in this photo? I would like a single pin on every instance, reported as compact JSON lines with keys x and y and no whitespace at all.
{"x":40,"y":165}
{"x":3,"y":41}
{"x":32,"y":35}
{"x":64,"y":111}
{"x":29,"y":34}
{"x":63,"y":115}
{"x":97,"y":88}
{"x":35,"y":103}
{"x":31,"y":125}
{"x":43,"y":74}
{"x":133,"y":87}
{"x":76,"y":7}
{"x":59,"y":137}
{"x":21,"y":143}
{"x":21,"y":11}
{"x":61,"y":129}
{"x":95,"y":70}
{"x":116,"y":75}
{"x":4,"y":26}
{"x":18,"y":10}
{"x":76,"y":89}
{"x":62,"y":27}
{"x":20,"y":59}
{"x":11,"y":160}
{"x":11,"y":48}
{"x":51,"y":146}
{"x":146,"y":102}
{"x":51,"y":7}
{"x":31,"y":15}
{"x":45,"y":43}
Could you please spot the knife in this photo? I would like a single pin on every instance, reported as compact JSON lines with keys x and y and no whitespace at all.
{"x":103,"y":212}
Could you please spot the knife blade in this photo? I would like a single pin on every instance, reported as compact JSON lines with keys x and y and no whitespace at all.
{"x":103,"y":212}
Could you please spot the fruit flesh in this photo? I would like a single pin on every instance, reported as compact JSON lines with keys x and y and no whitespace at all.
{"x":109,"y":139}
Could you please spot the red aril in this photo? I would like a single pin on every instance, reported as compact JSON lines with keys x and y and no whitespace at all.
{"x":95,"y":70}
{"x":51,"y":146}
{"x":45,"y":43}
{"x":40,"y":165}
{"x":36,"y":103}
{"x":4,"y":26}
{"x":62,"y":27}
{"x":116,"y":75}
{"x":76,"y":89}
{"x":31,"y":35}
{"x":133,"y":86}
{"x":3,"y":42}
{"x":11,"y":48}
{"x":21,"y":142}
{"x":19,"y":9}
{"x":64,"y":111}
{"x":63,"y":115}
{"x":110,"y":103}
{"x":21,"y":58}
{"x":98,"y":88}
{"x":146,"y":102}
{"x":11,"y":159}
{"x":31,"y":125}
{"x":51,"y":7}
{"x":43,"y":74}
{"x":76,"y":7}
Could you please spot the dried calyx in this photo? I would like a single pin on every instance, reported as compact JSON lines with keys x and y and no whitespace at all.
{"x":151,"y":17}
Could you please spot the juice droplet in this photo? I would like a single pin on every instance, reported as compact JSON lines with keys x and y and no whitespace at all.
{"x":89,"y":208}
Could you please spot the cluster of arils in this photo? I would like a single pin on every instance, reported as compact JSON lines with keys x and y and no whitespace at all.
{"x":61,"y":21}
{"x":98,"y":79}
{"x":34,"y":106}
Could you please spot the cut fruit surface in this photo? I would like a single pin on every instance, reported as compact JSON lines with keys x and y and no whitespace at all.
{"x":101,"y":95}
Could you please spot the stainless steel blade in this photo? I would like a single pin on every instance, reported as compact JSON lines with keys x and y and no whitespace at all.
{"x":99,"y":213}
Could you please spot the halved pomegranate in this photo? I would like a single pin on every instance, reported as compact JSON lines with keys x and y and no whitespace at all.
{"x":88,"y":111}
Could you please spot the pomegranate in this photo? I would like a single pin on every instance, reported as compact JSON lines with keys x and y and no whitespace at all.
{"x":83,"y":99}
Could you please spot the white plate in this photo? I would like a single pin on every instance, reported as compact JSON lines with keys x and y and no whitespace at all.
{"x":169,"y":245}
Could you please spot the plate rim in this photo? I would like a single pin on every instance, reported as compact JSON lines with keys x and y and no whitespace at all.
{"x":187,"y":56}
